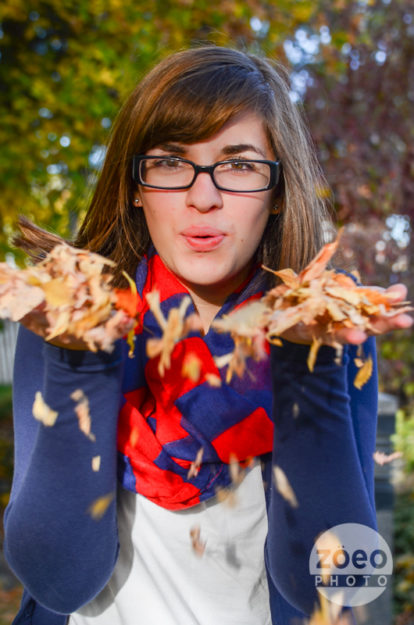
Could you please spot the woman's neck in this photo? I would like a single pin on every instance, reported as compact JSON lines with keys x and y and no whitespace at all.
{"x":207,"y":310}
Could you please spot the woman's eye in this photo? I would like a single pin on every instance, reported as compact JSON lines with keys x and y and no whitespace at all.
{"x":167,"y":163}
{"x":241,"y":166}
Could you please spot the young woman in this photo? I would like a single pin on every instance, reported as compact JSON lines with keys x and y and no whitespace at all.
{"x":209,"y":173}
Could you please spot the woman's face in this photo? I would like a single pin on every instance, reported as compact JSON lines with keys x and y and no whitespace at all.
{"x":205,"y":236}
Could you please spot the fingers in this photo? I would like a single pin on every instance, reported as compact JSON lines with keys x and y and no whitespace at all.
{"x":386,"y":324}
{"x":398,"y":291}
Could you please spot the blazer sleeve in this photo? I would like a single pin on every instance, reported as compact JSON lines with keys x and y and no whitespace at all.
{"x":324,"y":440}
{"x":62,"y":552}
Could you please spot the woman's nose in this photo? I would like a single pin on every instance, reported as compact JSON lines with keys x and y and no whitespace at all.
{"x":203,"y":194}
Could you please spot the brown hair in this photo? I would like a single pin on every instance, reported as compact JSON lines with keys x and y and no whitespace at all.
{"x":188,"y":97}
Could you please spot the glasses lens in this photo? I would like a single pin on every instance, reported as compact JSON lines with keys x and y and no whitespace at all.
{"x":242,"y":175}
{"x":166,"y":173}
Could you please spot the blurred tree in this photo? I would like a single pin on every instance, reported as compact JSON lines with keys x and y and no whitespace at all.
{"x":65,"y":69}
{"x":358,"y":90}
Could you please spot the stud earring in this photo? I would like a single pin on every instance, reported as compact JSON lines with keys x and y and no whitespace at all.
{"x":137,"y":201}
{"x":275,"y":210}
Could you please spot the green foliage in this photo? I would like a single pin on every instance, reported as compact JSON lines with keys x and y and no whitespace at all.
{"x":404,"y":557}
{"x":403,"y":439}
{"x":66,"y":68}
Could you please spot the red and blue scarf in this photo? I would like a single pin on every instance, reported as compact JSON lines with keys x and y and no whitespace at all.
{"x":165,"y":421}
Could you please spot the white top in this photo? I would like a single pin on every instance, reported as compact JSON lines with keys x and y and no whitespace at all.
{"x":159,"y":579}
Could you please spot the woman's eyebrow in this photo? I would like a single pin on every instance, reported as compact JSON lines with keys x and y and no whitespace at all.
{"x":171,"y":147}
{"x":228,"y":150}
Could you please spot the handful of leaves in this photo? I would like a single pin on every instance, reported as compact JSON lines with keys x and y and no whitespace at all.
{"x":71,"y":295}
{"x":322,"y":299}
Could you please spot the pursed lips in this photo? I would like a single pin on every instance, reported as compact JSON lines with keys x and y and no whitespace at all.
{"x":203,"y":238}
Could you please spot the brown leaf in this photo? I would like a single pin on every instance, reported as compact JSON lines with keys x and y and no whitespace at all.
{"x":191,"y":367}
{"x":318,"y":265}
{"x":364,"y":373}
{"x":96,"y":463}
{"x":196,"y":464}
{"x":99,"y":506}
{"x":173,"y":328}
{"x":82,"y":412}
{"x":313,"y":353}
{"x":213,"y":379}
{"x":196,"y":542}
{"x":42,"y":412}
{"x":283,"y":486}
{"x":382,"y":458}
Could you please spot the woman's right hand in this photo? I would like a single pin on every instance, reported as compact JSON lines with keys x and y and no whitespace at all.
{"x":36,"y":321}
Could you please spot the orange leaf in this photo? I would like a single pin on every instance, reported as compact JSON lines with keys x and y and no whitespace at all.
{"x":364,"y":373}
{"x":128,"y":301}
{"x":99,"y":506}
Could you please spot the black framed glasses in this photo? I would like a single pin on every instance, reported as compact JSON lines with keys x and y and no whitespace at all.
{"x":235,"y":174}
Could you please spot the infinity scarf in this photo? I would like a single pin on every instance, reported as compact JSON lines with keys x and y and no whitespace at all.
{"x":165,"y":421}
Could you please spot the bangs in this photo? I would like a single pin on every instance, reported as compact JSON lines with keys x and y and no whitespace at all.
{"x":197,"y":104}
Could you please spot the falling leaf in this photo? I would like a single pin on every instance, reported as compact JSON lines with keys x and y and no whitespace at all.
{"x":313,"y":352}
{"x":246,"y":326}
{"x":99,"y":506}
{"x":191,"y":367}
{"x":42,"y":412}
{"x":364,"y":373}
{"x":329,"y":612}
{"x":213,"y":379}
{"x":236,"y":472}
{"x":226,"y":496}
{"x":195,"y":466}
{"x":82,"y":412}
{"x":382,"y":458}
{"x":283,"y":486}
{"x":133,"y":437}
{"x":96,"y":463}
{"x":196,"y":542}
{"x":174,"y":328}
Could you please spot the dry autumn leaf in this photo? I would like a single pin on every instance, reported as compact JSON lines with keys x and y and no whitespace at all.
{"x":99,"y":506}
{"x":213,"y":380}
{"x":227,"y":496}
{"x":364,"y":373}
{"x":329,"y":613}
{"x":196,"y":464}
{"x":96,"y":463}
{"x":382,"y":458}
{"x":174,"y":328}
{"x":196,"y":542}
{"x":282,"y":484}
{"x":191,"y":368}
{"x":82,"y":412}
{"x":246,"y":327}
{"x":42,"y":412}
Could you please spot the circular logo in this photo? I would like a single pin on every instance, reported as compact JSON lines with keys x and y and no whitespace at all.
{"x":351,"y":564}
